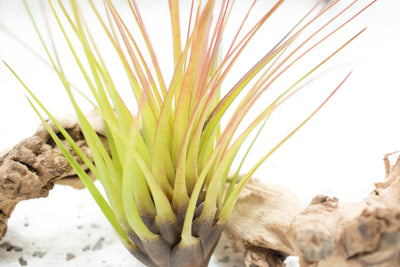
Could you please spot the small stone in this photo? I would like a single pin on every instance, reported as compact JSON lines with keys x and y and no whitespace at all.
{"x":38,"y":254}
{"x":86,"y":248}
{"x":99,"y":244}
{"x":70,"y":256}
{"x":9,"y":247}
{"x":22,"y":262}
{"x":17,"y":249}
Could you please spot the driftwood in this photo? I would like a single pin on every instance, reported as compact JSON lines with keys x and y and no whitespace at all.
{"x":268,"y":224}
{"x":31,"y":168}
{"x":259,"y":226}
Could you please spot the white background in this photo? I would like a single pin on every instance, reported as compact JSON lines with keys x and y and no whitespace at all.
{"x":339,"y":152}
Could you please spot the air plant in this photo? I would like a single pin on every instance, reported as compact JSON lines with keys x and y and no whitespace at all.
{"x":166,"y":171}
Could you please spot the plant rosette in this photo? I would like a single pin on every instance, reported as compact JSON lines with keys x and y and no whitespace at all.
{"x":169,"y":155}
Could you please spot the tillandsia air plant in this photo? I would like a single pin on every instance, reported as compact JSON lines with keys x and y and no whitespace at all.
{"x":166,"y":170}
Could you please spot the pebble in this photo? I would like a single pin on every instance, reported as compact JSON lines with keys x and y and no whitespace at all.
{"x":9,"y":247}
{"x":22,"y":262}
{"x":70,"y":256}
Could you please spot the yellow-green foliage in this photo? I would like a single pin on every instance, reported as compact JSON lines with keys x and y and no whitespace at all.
{"x":166,"y":174}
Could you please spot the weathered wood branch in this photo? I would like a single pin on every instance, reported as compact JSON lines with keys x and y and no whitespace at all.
{"x":269,"y":224}
{"x":31,"y":168}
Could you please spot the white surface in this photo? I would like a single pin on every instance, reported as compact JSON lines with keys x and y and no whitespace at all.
{"x":69,"y":222}
{"x":338,"y":153}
